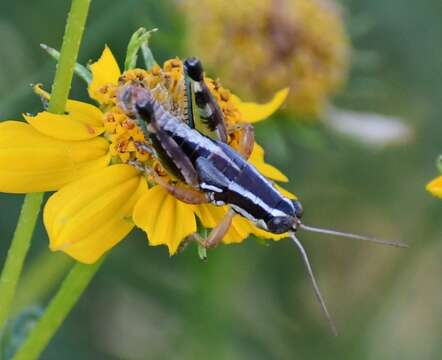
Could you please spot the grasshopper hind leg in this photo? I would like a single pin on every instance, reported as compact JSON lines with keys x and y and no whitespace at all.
{"x":210,"y":111}
{"x":207,"y":105}
{"x":189,"y":116}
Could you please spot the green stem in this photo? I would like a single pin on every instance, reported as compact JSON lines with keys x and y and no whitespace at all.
{"x":79,"y":69}
{"x":42,"y":276}
{"x":70,"y":291}
{"x":17,"y":253}
{"x":68,"y":55}
{"x":32,"y":203}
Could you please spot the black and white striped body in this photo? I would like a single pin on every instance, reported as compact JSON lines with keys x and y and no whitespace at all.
{"x":216,"y":169}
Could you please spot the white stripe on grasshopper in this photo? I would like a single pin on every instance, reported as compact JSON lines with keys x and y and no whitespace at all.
{"x":210,"y":188}
{"x":234,"y":187}
{"x":182,"y":130}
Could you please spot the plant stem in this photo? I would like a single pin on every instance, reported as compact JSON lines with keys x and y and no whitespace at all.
{"x":42,"y":276}
{"x":70,"y":291}
{"x":17,"y":253}
{"x":32,"y":202}
{"x":68,"y":55}
{"x":82,"y":72}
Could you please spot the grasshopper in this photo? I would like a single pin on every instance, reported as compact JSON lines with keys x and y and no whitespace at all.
{"x":213,"y":171}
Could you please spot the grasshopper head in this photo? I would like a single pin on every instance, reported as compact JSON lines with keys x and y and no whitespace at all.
{"x":285,"y":222}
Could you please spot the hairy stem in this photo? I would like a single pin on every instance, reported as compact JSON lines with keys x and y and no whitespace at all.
{"x":68,"y":55}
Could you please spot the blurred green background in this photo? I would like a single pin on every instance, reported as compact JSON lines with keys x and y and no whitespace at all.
{"x":254,"y":301}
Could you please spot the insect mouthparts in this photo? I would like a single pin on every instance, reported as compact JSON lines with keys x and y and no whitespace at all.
{"x":296,"y":223}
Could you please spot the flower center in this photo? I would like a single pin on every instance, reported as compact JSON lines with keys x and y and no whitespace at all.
{"x":168,"y":87}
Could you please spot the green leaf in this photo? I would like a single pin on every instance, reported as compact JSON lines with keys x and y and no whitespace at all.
{"x":139,"y":39}
{"x":149,"y":60}
{"x":202,"y":232}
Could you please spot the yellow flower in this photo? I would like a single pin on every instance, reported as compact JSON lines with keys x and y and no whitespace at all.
{"x":435,"y":187}
{"x":259,"y":46}
{"x":83,"y":155}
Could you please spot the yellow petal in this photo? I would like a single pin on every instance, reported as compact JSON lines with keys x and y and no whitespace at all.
{"x":89,"y":216}
{"x":267,"y":235}
{"x":104,"y":71}
{"x":166,"y":220}
{"x":435,"y":187}
{"x":81,"y":109}
{"x":211,"y":215}
{"x":269,"y":171}
{"x":241,"y":228}
{"x":252,"y":112}
{"x":84,"y":110}
{"x":239,"y":231}
{"x":82,"y":122}
{"x":285,"y":192}
{"x":31,"y":161}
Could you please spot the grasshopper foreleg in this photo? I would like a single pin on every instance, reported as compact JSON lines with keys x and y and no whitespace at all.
{"x":217,"y":233}
{"x":184,"y":194}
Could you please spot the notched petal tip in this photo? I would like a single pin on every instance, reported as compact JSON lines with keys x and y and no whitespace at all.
{"x":166,"y":220}
{"x":252,"y":112}
{"x":104,"y":71}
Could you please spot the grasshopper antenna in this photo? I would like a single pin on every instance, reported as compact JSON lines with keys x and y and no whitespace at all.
{"x":352,"y":236}
{"x":314,"y":283}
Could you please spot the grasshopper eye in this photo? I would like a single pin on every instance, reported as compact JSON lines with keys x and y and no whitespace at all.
{"x":299,"y":210}
{"x":280,"y":224}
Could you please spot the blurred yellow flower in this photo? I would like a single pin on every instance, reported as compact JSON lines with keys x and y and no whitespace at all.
{"x":259,"y":46}
{"x":84,"y":154}
{"x":435,"y":187}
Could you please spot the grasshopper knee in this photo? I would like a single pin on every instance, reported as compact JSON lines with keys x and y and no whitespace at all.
{"x":194,"y":68}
